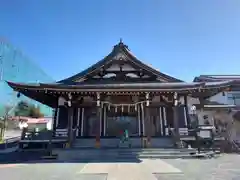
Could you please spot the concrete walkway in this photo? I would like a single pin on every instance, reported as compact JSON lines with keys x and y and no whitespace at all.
{"x":130,"y":171}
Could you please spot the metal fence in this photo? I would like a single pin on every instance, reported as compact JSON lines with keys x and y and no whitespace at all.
{"x":10,"y":143}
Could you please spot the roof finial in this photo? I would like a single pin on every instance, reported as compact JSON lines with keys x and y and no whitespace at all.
{"x":120,"y":41}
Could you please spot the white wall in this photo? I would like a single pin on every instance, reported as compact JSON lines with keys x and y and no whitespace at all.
{"x":49,"y":125}
{"x":226,"y":98}
{"x":236,"y":99}
{"x":220,"y":98}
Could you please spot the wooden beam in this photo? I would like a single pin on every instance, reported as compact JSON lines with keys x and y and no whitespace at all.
{"x":49,"y":100}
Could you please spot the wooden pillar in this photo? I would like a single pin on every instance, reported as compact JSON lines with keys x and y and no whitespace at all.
{"x":104,"y":120}
{"x":78,"y":121}
{"x":161,"y":120}
{"x":147,"y":122}
{"x":139,"y":120}
{"x":99,"y":116}
{"x":57,"y":117}
{"x":175,"y":120}
{"x":98,"y":133}
{"x":82,"y":121}
{"x":176,"y":126}
{"x":165,"y":127}
{"x":143,"y":120}
{"x":70,"y":126}
{"x":186,"y":111}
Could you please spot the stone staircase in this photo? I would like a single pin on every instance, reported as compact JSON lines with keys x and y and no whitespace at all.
{"x":121,"y":154}
{"x":112,"y":151}
{"x":158,"y":153}
{"x":107,"y":143}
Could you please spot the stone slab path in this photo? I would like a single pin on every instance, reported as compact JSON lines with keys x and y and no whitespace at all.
{"x":130,"y":171}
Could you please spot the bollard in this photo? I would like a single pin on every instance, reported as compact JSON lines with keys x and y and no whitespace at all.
{"x":67,"y":145}
{"x":148,"y":141}
{"x":144,"y":142}
{"x":97,"y":142}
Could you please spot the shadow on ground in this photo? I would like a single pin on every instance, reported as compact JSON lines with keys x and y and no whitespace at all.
{"x":99,"y":156}
{"x":37,"y":157}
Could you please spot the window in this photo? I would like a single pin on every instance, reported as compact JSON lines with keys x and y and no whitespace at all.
{"x":234,"y":98}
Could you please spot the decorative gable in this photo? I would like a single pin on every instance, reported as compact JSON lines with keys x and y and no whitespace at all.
{"x":120,"y":57}
{"x":121,"y":66}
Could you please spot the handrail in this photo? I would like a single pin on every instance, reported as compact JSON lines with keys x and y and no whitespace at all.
{"x":10,"y":142}
{"x":12,"y":139}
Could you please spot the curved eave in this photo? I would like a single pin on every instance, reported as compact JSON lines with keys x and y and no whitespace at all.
{"x":218,"y":84}
{"x":32,"y":91}
{"x":127,"y":87}
{"x":23,"y":85}
{"x":158,"y":87}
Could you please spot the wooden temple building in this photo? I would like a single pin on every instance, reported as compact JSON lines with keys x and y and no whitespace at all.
{"x":119,"y":92}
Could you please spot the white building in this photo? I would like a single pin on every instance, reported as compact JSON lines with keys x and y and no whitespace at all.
{"x":222,"y":106}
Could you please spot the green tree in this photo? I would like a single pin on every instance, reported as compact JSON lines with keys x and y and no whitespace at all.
{"x":22,"y":109}
{"x":4,"y":120}
{"x":35,"y":112}
{"x":29,"y":110}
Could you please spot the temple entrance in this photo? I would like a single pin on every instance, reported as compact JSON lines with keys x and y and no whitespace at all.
{"x":127,"y":123}
{"x":118,"y":122}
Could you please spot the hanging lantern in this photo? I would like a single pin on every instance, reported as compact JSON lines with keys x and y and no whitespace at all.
{"x":98,"y":99}
{"x":175,"y":95}
{"x":135,"y":107}
{"x":69,"y":96}
{"x":69,"y":103}
{"x":228,"y":89}
{"x":122,"y":108}
{"x":109,"y":108}
{"x":18,"y":95}
{"x":115,"y":109}
{"x":147,"y":104}
{"x":147,"y":99}
{"x":175,"y":102}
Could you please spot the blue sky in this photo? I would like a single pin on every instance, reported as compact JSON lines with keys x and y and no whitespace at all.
{"x":181,"y":38}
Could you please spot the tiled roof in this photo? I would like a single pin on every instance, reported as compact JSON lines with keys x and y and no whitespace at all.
{"x":204,"y":78}
{"x":30,"y":120}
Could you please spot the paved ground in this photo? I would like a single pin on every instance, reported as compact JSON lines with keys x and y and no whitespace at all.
{"x":12,"y":133}
{"x":226,"y":167}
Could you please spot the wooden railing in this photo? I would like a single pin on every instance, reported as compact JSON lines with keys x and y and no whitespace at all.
{"x":61,"y":133}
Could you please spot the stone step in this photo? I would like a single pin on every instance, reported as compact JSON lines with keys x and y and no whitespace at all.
{"x":115,"y":142}
{"x":124,"y":154}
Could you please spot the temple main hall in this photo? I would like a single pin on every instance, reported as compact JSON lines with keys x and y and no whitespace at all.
{"x":119,"y":92}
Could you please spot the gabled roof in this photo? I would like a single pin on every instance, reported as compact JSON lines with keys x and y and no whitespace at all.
{"x":211,"y":78}
{"x":119,"y":48}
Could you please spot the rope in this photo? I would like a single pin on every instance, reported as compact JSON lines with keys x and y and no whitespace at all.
{"x":133,"y":104}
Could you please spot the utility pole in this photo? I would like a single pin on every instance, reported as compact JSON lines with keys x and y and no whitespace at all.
{"x":1,"y":60}
{"x":1,"y":68}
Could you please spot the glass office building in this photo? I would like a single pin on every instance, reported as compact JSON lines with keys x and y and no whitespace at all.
{"x":16,"y":67}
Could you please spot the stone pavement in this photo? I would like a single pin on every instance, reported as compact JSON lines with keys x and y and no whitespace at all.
{"x":132,"y":171}
{"x":226,"y":167}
